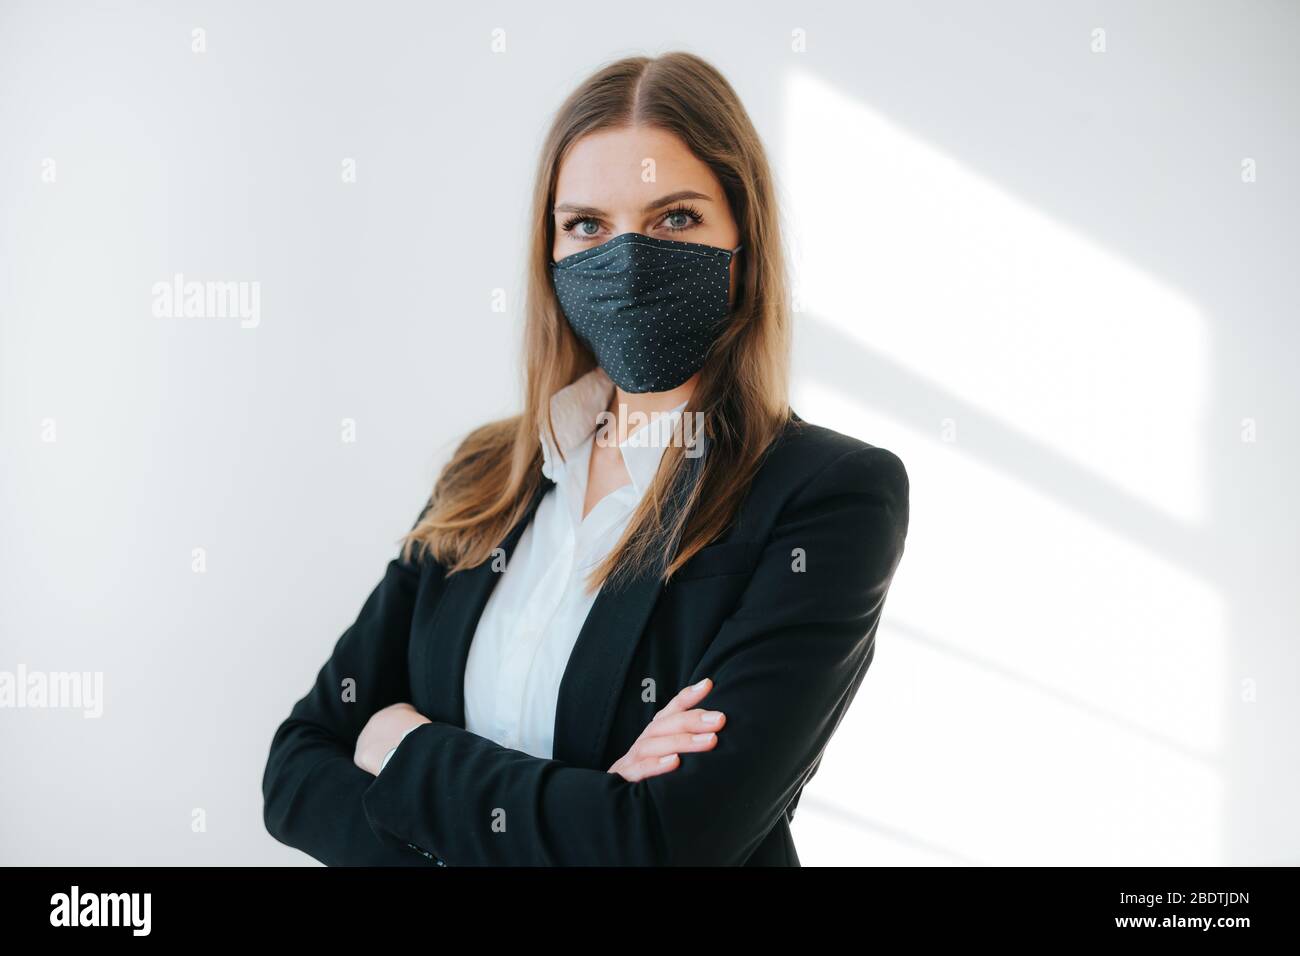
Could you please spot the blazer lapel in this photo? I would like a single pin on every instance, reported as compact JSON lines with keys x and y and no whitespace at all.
{"x":598,"y":667}
{"x":598,"y":663}
{"x":459,"y":609}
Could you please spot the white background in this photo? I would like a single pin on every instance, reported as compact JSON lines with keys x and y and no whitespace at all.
{"x":1031,"y":270}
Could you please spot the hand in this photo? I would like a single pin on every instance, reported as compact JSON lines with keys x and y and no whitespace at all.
{"x":382,"y":732}
{"x":673,"y":730}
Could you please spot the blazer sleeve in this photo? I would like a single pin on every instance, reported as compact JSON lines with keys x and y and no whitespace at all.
{"x":312,"y":791}
{"x":785,"y":666}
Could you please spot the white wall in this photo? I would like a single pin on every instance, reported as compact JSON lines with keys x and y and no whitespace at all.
{"x":1030,"y":269}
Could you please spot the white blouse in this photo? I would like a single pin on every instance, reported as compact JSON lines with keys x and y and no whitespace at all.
{"x":531,"y":621}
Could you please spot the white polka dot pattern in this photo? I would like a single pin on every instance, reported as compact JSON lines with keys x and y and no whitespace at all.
{"x":648,"y":308}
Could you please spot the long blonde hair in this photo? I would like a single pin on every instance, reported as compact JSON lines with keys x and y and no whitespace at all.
{"x":492,"y":478}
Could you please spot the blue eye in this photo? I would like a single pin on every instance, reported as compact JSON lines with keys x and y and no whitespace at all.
{"x":682,"y":217}
{"x":581,"y":227}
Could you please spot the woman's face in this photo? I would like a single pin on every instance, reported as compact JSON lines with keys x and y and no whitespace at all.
{"x":639,"y":179}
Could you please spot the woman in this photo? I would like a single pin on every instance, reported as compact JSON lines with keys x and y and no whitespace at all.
{"x":628,"y":620}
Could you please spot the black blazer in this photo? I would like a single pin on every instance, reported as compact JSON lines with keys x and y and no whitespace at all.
{"x":786,"y":649}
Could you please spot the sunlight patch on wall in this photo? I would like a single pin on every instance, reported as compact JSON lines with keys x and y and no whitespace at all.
{"x":930,"y":264}
{"x":1045,"y":688}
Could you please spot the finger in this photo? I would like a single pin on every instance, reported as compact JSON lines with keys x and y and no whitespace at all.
{"x":673,"y":743}
{"x":697,"y":721}
{"x":686,"y":698}
{"x":652,"y":767}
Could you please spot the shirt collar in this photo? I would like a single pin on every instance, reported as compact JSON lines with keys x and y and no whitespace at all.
{"x":575,"y":411}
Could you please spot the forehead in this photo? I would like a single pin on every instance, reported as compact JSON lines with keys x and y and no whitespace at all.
{"x":610,"y":168}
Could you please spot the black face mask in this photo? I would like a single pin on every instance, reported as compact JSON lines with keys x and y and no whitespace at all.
{"x":648,"y":308}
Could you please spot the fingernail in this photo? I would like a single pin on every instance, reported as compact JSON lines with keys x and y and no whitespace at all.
{"x":701,"y":685}
{"x":701,"y":738}
{"x":667,"y":758}
{"x":712,"y":717}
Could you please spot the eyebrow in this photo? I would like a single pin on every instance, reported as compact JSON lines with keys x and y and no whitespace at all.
{"x":648,"y":207}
